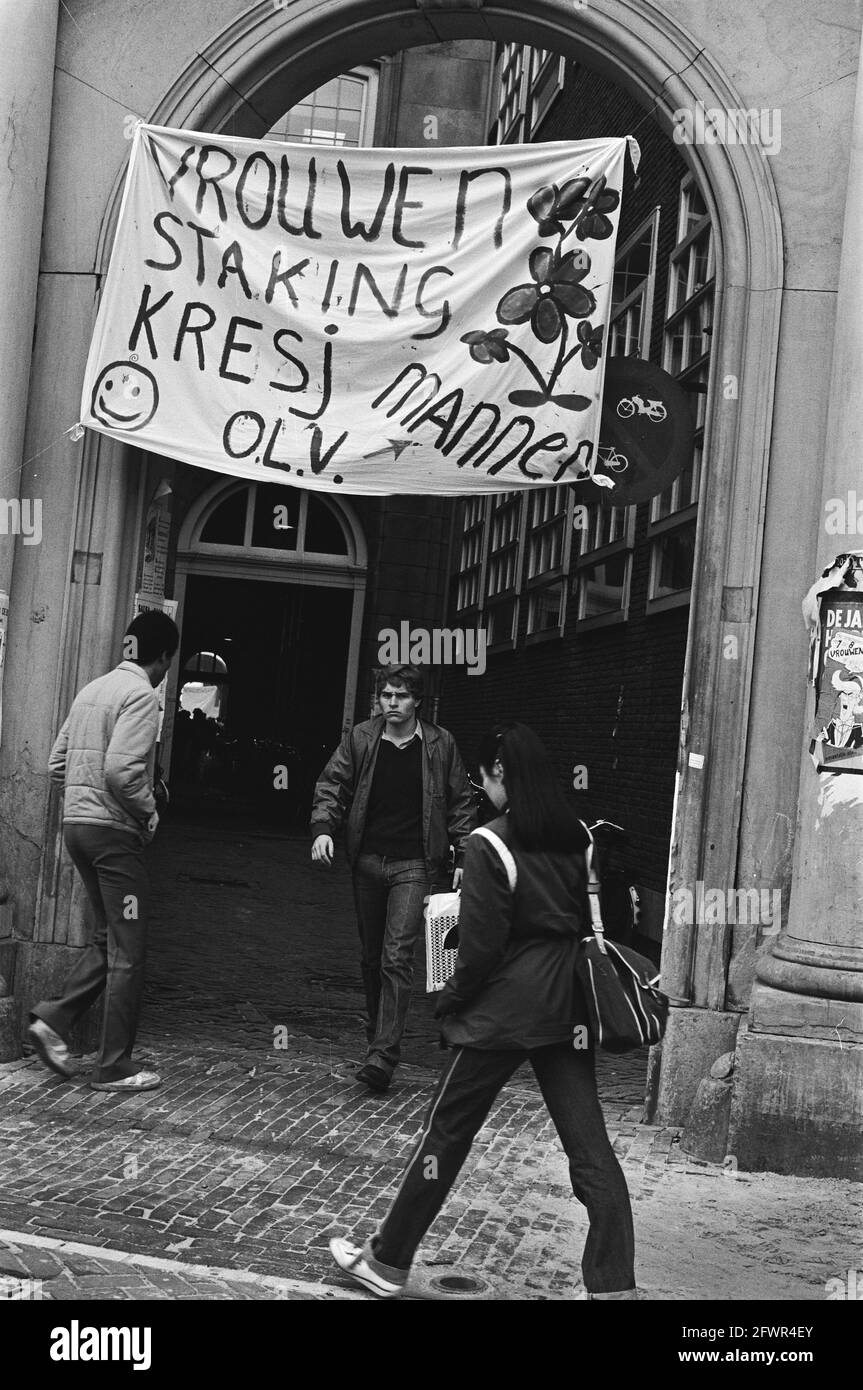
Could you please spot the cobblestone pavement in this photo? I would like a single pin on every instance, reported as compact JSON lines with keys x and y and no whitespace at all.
{"x":253,"y":1168}
{"x":228,"y":1181}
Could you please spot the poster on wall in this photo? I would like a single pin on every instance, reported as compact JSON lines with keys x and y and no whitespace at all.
{"x":145,"y":603}
{"x":837,"y":744}
{"x":366,"y":320}
{"x":157,"y":534}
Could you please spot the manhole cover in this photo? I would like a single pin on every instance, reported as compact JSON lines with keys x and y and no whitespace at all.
{"x":458,"y":1284}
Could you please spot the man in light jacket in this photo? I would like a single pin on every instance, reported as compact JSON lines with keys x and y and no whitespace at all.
{"x":104,"y":757}
{"x":398,"y":785}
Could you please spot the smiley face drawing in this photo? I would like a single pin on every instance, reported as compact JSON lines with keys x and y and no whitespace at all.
{"x":125,"y":396}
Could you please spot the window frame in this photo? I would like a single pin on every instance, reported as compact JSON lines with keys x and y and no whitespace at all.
{"x":534,"y":584}
{"x":366,"y":73}
{"x":682,"y":514}
{"x":541,"y":63}
{"x":294,"y":554}
{"x":646,"y":290}
{"x":624,"y":545}
{"x":513,"y":593}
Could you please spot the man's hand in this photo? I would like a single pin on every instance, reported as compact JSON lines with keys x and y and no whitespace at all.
{"x":322,"y":850}
{"x":445,"y":1004}
{"x":456,"y":879}
{"x":152,"y":823}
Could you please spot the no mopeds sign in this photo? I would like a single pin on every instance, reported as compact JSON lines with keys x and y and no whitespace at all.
{"x":646,"y":433}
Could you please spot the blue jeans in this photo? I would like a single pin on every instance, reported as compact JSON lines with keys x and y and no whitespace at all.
{"x":389,"y":895}
{"x":467,"y":1089}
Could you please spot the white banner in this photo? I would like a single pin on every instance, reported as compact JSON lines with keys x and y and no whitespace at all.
{"x":375,"y":321}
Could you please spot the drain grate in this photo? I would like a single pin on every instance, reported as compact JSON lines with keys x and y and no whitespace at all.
{"x":458,"y":1285}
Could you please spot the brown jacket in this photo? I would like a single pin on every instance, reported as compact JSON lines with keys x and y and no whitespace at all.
{"x":342,"y":792}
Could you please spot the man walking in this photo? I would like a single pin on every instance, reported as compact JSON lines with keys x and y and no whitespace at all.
{"x":104,"y":756}
{"x":400,"y":785}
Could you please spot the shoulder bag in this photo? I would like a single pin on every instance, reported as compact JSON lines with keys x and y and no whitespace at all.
{"x":624,"y":1003}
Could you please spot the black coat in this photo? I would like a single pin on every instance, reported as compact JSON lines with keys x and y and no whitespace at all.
{"x":514,"y":984}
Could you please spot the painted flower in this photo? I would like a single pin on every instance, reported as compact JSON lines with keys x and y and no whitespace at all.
{"x":592,"y":222}
{"x":578,"y":199}
{"x":551,"y":206}
{"x":591,"y":344}
{"x":488,"y":347}
{"x":556,"y":291}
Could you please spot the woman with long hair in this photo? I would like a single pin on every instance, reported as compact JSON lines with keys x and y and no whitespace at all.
{"x":513,"y":997}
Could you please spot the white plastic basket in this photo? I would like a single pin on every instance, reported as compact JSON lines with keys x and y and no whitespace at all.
{"x":441,"y":915}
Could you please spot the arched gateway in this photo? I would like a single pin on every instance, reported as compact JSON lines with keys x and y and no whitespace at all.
{"x":271,"y":56}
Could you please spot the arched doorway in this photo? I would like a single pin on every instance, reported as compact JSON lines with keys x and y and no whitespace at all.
{"x":270,"y":584}
{"x":269,"y":57}
{"x":266,"y":60}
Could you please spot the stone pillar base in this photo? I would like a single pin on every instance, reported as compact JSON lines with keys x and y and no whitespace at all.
{"x":693,"y":1041}
{"x":41,"y":973}
{"x":797,"y":1105}
{"x":10,"y":1047}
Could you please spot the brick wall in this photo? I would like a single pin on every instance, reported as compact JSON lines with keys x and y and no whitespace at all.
{"x":609,"y":698}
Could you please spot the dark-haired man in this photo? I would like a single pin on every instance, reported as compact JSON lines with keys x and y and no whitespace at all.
{"x":104,"y":756}
{"x":400,"y":786}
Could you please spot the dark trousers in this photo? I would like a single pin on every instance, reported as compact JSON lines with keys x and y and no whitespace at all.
{"x":467,"y":1089}
{"x":111,"y":864}
{"x":389,"y":896}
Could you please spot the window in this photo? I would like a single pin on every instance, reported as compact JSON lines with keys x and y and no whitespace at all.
{"x":549,"y":533}
{"x":547,"y":71}
{"x":687,"y":340}
{"x":528,"y":81}
{"x":632,"y":291}
{"x":503,"y":568}
{"x":604,"y":564}
{"x":469,"y":590}
{"x":341,"y":112}
{"x":272,"y":519}
{"x":512,"y":68}
{"x":488,"y":574}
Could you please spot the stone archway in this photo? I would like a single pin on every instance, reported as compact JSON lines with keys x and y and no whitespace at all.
{"x":264,"y":61}
{"x":271,"y":56}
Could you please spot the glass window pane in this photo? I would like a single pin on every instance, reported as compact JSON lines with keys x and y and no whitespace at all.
{"x":323,"y":532}
{"x":227,"y":525}
{"x":351,"y":94}
{"x":546,"y":609}
{"x":675,"y":554}
{"x":602,"y":587}
{"x":500,"y":622}
{"x":277,"y":511}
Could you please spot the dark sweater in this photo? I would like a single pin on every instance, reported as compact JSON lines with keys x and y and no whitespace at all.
{"x":394,"y":817}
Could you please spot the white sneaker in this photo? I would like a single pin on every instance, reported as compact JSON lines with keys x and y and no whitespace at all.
{"x":50,"y":1047}
{"x":352,"y":1259}
{"x":129,"y":1085}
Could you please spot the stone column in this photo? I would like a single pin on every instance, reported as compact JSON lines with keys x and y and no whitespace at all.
{"x":798,"y":1098}
{"x":28,"y":38}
